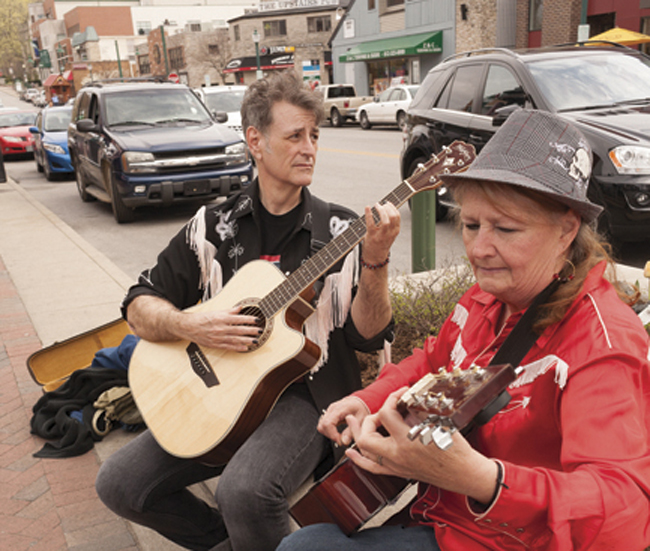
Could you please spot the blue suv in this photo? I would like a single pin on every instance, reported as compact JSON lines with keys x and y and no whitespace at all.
{"x":152,"y":143}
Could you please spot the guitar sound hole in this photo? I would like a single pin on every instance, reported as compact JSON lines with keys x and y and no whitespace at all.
{"x":265,"y":325}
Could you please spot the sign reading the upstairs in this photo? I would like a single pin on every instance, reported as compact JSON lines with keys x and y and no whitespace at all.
{"x":276,"y":5}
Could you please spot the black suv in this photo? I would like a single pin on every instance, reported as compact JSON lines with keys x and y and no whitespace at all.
{"x":152,"y":143}
{"x":603,"y":89}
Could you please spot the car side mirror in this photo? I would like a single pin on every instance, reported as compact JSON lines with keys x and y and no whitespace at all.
{"x":502,"y":113}
{"x":33,"y":129}
{"x":376,"y":99}
{"x":220,"y":116}
{"x":86,"y":125}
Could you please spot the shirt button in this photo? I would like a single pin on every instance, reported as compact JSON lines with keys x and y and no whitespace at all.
{"x":520,"y":530}
{"x":487,"y":521}
{"x":504,"y":524}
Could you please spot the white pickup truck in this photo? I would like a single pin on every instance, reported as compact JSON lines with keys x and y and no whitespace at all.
{"x":341,"y":102}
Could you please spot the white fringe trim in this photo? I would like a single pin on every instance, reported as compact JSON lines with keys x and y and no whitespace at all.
{"x":538,"y":368}
{"x":211,"y":275}
{"x":458,"y":353}
{"x":333,"y":305}
{"x":460,"y":315}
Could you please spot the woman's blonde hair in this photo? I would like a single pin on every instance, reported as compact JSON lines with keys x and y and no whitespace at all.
{"x":587,"y":249}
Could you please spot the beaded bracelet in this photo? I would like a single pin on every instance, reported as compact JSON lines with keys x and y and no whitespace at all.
{"x":364,"y":264}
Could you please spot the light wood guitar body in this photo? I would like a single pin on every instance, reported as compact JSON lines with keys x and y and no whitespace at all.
{"x":190,"y":419}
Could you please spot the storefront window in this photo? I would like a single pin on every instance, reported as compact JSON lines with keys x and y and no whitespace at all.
{"x":382,"y":73}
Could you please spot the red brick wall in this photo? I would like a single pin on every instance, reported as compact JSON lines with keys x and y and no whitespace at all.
{"x":107,"y":20}
{"x":48,"y":9}
{"x":560,"y":21}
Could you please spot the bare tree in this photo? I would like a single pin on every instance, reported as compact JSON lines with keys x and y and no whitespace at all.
{"x":212,"y":52}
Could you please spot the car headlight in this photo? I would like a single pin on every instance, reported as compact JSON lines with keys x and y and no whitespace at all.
{"x":237,"y":153}
{"x":53,"y":148}
{"x":138,"y":162}
{"x":631,"y":159}
{"x":12,"y":139}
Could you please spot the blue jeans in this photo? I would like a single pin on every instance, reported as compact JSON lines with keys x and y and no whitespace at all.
{"x":143,"y":483}
{"x":328,"y":537}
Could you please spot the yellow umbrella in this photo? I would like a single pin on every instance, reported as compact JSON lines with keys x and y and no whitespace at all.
{"x":622,"y":36}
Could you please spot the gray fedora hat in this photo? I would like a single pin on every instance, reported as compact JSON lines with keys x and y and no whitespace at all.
{"x":541,"y":151}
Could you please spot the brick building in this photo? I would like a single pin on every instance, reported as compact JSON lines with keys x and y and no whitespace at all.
{"x":290,"y":36}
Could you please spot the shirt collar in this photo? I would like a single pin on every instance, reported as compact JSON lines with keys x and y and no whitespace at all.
{"x":492,"y":306}
{"x":248,"y":199}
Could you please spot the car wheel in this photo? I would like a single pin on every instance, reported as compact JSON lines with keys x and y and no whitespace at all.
{"x":335,"y":118}
{"x":441,"y":210}
{"x":48,"y":171}
{"x":121,"y":212}
{"x":81,"y":185}
{"x":363,"y":121}
{"x":401,"y":120}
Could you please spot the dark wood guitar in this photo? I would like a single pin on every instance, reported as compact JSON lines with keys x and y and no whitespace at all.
{"x":436,"y":406}
{"x":204,"y":403}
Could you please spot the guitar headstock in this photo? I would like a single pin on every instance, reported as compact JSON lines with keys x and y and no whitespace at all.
{"x":453,"y":158}
{"x":441,"y":403}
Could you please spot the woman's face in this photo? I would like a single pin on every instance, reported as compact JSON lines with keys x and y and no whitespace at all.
{"x":516,"y":248}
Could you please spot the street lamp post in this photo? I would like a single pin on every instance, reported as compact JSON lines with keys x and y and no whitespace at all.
{"x":256,"y":39}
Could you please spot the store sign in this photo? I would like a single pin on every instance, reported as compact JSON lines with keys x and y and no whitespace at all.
{"x":395,"y":47}
{"x":277,"y":5}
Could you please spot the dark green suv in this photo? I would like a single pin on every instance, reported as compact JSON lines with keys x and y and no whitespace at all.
{"x":603,"y":88}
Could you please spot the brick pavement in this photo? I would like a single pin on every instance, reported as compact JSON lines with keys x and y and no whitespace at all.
{"x":45,"y":504}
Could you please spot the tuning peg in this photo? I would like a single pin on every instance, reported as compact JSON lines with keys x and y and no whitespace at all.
{"x":442,"y":437}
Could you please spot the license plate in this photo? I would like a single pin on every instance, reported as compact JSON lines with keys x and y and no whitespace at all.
{"x":200,"y":187}
{"x":29,"y":149}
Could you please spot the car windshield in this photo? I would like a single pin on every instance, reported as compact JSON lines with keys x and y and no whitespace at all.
{"x":154,"y":106}
{"x":16,"y":119}
{"x":225,"y":101}
{"x":57,"y":121}
{"x":592,"y":81}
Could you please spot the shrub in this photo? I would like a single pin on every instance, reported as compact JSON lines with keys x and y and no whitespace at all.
{"x":421,"y":303}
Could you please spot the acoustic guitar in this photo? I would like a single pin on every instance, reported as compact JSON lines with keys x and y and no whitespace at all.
{"x":204,"y":403}
{"x":437,"y":405}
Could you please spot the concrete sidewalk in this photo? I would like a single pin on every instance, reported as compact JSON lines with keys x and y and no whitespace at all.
{"x":53,"y":285}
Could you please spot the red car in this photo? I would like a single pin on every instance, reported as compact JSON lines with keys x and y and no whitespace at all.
{"x":15,"y":137}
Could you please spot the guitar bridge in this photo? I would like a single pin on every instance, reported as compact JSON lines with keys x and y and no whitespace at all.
{"x":201,"y":366}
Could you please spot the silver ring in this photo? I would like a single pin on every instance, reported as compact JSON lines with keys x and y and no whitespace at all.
{"x":380,"y":460}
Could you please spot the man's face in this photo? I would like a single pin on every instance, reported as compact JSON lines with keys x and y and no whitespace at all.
{"x":286,"y":152}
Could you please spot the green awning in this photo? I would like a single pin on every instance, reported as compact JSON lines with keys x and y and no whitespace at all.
{"x":424,"y":43}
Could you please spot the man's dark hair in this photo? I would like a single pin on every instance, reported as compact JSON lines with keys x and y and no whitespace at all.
{"x":278,"y":86}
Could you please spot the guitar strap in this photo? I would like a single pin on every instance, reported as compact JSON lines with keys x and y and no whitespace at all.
{"x":512,"y":351}
{"x":320,"y":224}
{"x":522,"y":337}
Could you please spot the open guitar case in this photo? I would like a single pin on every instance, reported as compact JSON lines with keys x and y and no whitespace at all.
{"x":51,"y":366}
{"x":85,"y":390}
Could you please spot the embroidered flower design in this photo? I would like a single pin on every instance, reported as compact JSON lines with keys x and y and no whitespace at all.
{"x":236,"y":250}
{"x":226,"y":230}
{"x":244,"y":204}
{"x":338,"y":226}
